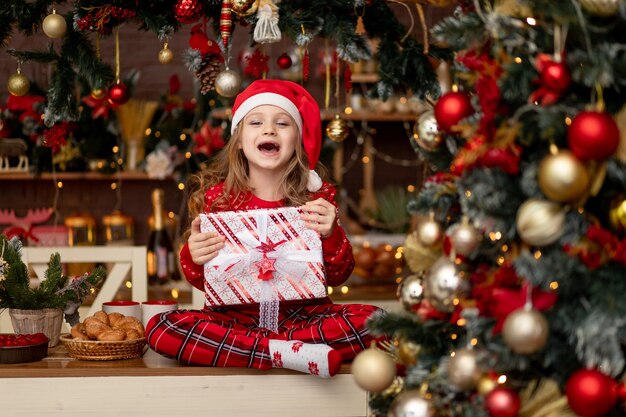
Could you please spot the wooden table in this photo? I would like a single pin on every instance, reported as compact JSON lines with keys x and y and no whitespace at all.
{"x":156,"y":386}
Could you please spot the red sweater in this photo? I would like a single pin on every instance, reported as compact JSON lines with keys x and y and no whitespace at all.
{"x":336,"y":249}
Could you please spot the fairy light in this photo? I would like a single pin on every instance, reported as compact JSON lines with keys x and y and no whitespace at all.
{"x":410,"y":188}
{"x":500,"y":260}
{"x":518,"y":60}
{"x":474,"y":341}
{"x":175,"y":293}
{"x":454,"y":88}
{"x":468,"y":193}
{"x":453,"y":336}
{"x":568,"y":120}
{"x":329,"y":290}
{"x":129,"y":284}
{"x":554,"y":285}
{"x":388,"y":248}
{"x":148,"y":131}
{"x":580,"y":210}
{"x":348,"y":110}
{"x":157,"y":134}
{"x":456,"y":302}
{"x":183,"y":137}
{"x":398,"y":255}
{"x":187,"y":155}
{"x":399,"y":269}
{"x":114,"y":186}
{"x":537,"y":254}
{"x":116,"y":149}
{"x":531,"y":21}
{"x":461,"y":322}
{"x":365,"y":159}
{"x":505,"y":248}
{"x":60,"y":184}
{"x":501,"y":379}
{"x":345,"y":289}
{"x":120,"y":161}
{"x":181,"y":186}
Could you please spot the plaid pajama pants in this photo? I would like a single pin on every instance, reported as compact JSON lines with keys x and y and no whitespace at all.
{"x":231,"y":337}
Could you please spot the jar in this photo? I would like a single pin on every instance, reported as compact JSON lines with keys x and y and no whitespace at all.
{"x":118,"y":229}
{"x":82,"y":229}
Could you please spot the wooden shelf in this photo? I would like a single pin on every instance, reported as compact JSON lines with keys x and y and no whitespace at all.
{"x":68,"y":176}
{"x":330,"y":114}
{"x":365,"y":78}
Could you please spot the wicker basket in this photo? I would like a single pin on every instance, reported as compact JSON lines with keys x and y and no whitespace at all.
{"x":93,"y":350}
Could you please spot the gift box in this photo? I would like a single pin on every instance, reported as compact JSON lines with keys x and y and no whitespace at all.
{"x":269,"y":257}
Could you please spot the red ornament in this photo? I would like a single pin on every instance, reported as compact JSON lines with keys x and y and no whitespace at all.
{"x":118,"y":94}
{"x":555,"y":76}
{"x":593,"y":135}
{"x":591,"y":393}
{"x":201,"y":42}
{"x":502,"y":402}
{"x":226,"y":21}
{"x":284,"y":61}
{"x":451,"y":108}
{"x":187,"y":11}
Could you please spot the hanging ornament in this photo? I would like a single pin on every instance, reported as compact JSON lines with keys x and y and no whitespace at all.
{"x":426,"y":132}
{"x":227,"y":83}
{"x":373,"y":370}
{"x":590,"y":393}
{"x":266,"y":29}
{"x":554,"y":79}
{"x":98,"y":93}
{"x":486,"y":384}
{"x":410,"y":292}
{"x":463,"y":369}
{"x":602,"y":8}
{"x":187,"y":11}
{"x":419,"y":257}
{"x":464,"y":237}
{"x":54,"y":25}
{"x":593,"y":135}
{"x":360,"y":27}
{"x":18,"y":84}
{"x":450,"y":109}
{"x":408,"y":352}
{"x":284,"y":61}
{"x":337,"y":129}
{"x":166,"y":56}
{"x":410,"y":403}
{"x":244,"y":8}
{"x":444,"y":284}
{"x":562,"y":177}
{"x":226,"y":21}
{"x":429,"y":231}
{"x":525,"y":331}
{"x":617,"y":213}
{"x":118,"y":93}
{"x":540,"y":222}
{"x":502,"y":402}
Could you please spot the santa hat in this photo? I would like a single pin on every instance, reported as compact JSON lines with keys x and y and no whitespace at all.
{"x":300,"y":105}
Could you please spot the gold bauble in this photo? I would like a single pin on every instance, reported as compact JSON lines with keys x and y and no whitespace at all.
{"x":417,"y":256}
{"x":525,"y":331}
{"x":18,"y":84}
{"x":603,"y":8}
{"x":98,"y":93}
{"x":410,"y":404}
{"x":486,"y":384}
{"x":408,"y":352}
{"x":410,"y":292}
{"x":562,"y":177}
{"x":373,"y":370}
{"x":54,"y":25}
{"x":227,"y":83}
{"x":429,"y":231}
{"x":464,"y":237}
{"x":617,"y":213}
{"x":444,"y":284}
{"x":337,"y":129}
{"x":426,"y":132}
{"x":244,"y":7}
{"x":166,"y":56}
{"x":463,"y":369}
{"x":540,"y":222}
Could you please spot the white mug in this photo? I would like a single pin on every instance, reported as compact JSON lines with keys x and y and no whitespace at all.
{"x":150,"y":309}
{"x":127,"y":308}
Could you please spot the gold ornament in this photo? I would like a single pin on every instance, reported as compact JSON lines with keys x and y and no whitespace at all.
{"x":464,"y":237}
{"x":486,"y":384}
{"x":54,"y":25}
{"x":602,"y":8}
{"x":410,"y":292}
{"x":417,"y":256}
{"x":373,"y":370}
{"x":426,"y":132}
{"x":444,"y":284}
{"x":617,"y":213}
{"x":227,"y":83}
{"x":410,"y":404}
{"x":166,"y":55}
{"x":98,"y":93}
{"x":620,"y":119}
{"x":525,"y":331}
{"x":244,"y":7}
{"x":562,"y":177}
{"x":540,"y":222}
{"x":18,"y":84}
{"x":337,"y":129}
{"x":408,"y":352}
{"x":429,"y":231}
{"x":463,"y":369}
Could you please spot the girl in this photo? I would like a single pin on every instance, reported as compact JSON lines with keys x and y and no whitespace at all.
{"x":268,"y":162}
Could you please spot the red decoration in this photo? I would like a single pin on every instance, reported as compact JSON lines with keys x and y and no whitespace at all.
{"x":451,"y":108}
{"x":284,"y":61}
{"x":593,"y":135}
{"x":305,"y":65}
{"x":256,"y":64}
{"x":554,"y":80}
{"x":56,"y":137}
{"x":118,"y":94}
{"x":226,"y":21}
{"x":187,"y":11}
{"x":591,"y":393}
{"x":104,"y":19}
{"x":502,"y":402}
{"x":208,"y":139}
{"x":621,"y":391}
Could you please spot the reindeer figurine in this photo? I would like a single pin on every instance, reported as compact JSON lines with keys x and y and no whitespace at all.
{"x":13,"y":148}
{"x":24,"y":227}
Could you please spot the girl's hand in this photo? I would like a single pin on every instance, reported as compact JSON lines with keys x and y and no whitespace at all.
{"x":203,"y":246}
{"x":319,"y":215}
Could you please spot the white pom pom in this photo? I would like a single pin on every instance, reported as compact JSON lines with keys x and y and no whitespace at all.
{"x":315,"y":182}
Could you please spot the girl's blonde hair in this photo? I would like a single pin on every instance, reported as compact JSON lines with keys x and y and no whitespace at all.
{"x":230,"y":166}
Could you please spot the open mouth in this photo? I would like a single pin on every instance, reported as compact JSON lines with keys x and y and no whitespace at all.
{"x":269,"y":147}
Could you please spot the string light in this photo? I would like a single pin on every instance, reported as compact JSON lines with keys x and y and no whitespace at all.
{"x":183,"y":137}
{"x":531,"y":21}
{"x":114,"y":186}
{"x":345,"y":289}
{"x":60,"y":184}
{"x":518,"y":60}
{"x":148,"y":131}
{"x":129,"y":284}
{"x":554,"y":285}
{"x":116,"y":149}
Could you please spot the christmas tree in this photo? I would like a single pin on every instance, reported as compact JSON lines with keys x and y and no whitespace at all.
{"x":516,"y":305}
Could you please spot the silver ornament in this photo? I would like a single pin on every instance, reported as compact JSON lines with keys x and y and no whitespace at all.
{"x":429,"y":231}
{"x":525,"y":331}
{"x":444,"y":284}
{"x":426,"y":132}
{"x":410,"y":292}
{"x":463,"y":369}
{"x":464,"y":237}
{"x":540,"y":222}
{"x":227,"y":83}
{"x":410,"y":404}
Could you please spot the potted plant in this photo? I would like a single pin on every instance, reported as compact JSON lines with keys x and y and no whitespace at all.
{"x":40,"y":308}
